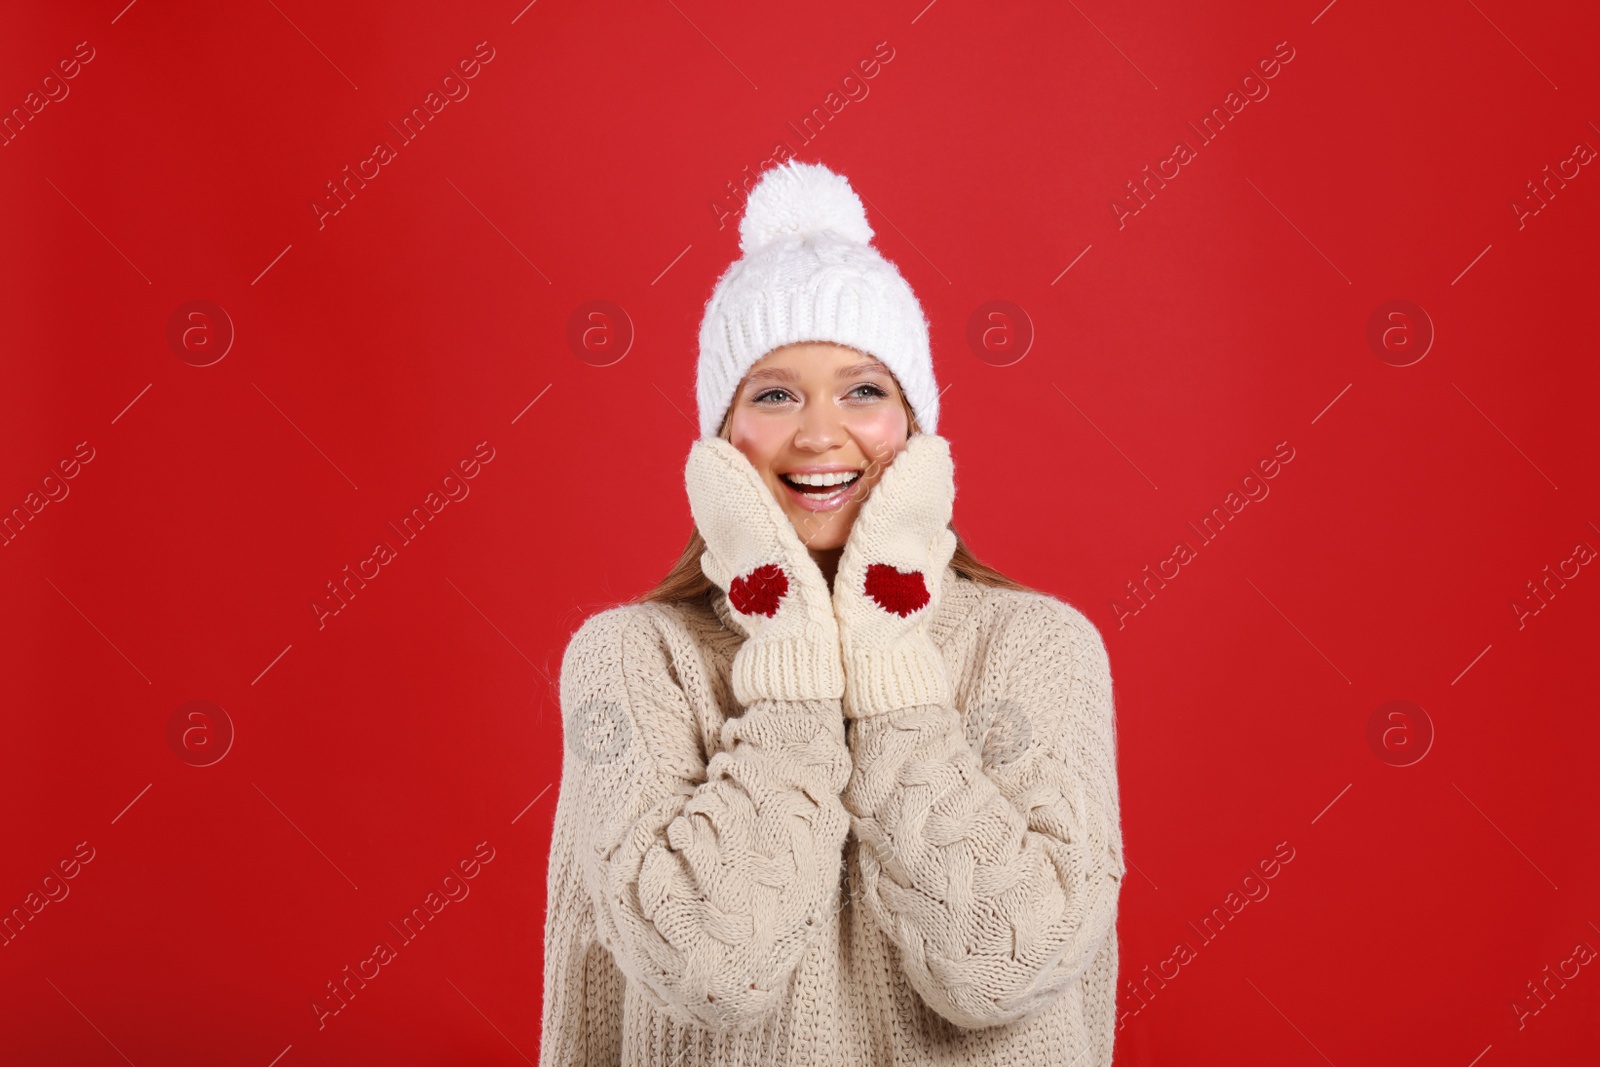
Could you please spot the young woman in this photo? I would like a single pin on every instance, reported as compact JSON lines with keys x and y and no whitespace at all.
{"x":834,"y":792}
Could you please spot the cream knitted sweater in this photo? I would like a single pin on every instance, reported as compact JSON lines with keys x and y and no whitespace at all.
{"x":776,"y":885}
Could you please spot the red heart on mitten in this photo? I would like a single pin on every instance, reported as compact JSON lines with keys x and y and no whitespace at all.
{"x":759,"y":592}
{"x":895,"y":590}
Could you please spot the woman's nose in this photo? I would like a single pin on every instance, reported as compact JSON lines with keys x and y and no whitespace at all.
{"x":820,"y":427}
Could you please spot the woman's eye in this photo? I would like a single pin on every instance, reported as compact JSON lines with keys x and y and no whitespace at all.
{"x":775,"y":396}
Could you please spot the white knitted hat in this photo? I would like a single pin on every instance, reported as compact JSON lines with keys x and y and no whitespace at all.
{"x":808,"y":272}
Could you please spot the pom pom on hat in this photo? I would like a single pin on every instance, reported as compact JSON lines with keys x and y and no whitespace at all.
{"x":808,"y":272}
{"x":803,"y":199}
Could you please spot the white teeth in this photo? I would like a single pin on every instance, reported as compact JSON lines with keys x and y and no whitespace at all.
{"x":836,"y":478}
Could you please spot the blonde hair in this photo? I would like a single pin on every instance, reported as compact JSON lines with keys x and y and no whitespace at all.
{"x":687,"y":582}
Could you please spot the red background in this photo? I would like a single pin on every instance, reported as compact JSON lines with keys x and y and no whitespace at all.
{"x":431,"y":313}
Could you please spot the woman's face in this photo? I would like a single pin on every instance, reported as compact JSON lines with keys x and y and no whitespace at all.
{"x":818,"y":408}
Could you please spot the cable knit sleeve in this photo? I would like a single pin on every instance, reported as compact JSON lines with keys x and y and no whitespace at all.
{"x":581,"y":1018}
{"x":707,"y":880}
{"x":996,"y":876}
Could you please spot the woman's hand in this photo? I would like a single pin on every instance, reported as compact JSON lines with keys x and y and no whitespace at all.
{"x":778,"y":594}
{"x":889,"y":583}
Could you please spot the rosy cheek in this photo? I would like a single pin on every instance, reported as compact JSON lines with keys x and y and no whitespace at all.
{"x":760,"y":443}
{"x":879,"y":433}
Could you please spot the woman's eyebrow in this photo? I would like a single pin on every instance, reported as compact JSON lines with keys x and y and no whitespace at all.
{"x":785,"y":374}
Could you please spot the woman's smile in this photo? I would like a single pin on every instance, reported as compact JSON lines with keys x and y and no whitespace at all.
{"x":822,"y":489}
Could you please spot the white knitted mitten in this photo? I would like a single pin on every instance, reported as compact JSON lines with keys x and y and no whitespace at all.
{"x":777,"y":592}
{"x":890,"y":580}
